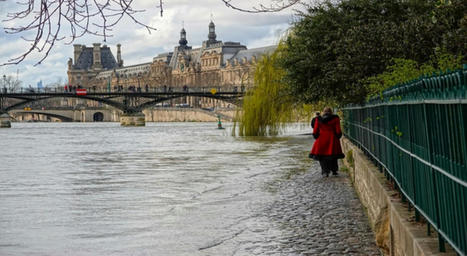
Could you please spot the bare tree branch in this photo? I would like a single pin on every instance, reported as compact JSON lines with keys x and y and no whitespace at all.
{"x":42,"y":23}
{"x":275,"y":6}
{"x":46,"y":19}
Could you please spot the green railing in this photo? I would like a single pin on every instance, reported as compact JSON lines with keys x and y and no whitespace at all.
{"x":417,"y":134}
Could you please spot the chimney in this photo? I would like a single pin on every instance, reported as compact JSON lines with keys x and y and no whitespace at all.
{"x":119,"y":56}
{"x":96,"y":52}
{"x":77,"y":51}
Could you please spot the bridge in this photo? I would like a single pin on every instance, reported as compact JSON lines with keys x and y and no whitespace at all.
{"x":131,"y":103}
{"x":63,"y":114}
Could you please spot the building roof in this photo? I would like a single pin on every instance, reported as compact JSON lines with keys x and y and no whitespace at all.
{"x":86,"y":58}
{"x":249,"y":53}
{"x":128,"y":71}
{"x":230,"y":51}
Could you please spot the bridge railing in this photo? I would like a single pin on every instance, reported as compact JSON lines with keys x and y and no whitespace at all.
{"x":129,"y":89}
{"x":417,"y":134}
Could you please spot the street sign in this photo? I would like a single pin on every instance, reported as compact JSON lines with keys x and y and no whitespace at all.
{"x":213,"y":91}
{"x":81,"y":92}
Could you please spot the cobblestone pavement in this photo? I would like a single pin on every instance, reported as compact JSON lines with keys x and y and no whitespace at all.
{"x":318,"y":216}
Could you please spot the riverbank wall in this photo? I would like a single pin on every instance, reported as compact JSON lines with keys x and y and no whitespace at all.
{"x":113,"y":115}
{"x":393,"y":223}
{"x":187,"y":115}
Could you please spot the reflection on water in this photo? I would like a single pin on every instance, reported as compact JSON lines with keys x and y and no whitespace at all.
{"x":163,"y":189}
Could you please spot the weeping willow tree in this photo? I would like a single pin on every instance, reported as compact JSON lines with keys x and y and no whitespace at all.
{"x":268,"y":106}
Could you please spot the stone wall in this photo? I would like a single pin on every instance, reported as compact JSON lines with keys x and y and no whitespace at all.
{"x":393,"y":224}
{"x":185,"y":115}
{"x":113,"y":115}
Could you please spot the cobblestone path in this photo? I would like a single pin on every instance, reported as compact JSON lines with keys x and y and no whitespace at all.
{"x":318,"y":216}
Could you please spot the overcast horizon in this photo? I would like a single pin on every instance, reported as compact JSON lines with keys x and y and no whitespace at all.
{"x":139,"y":46}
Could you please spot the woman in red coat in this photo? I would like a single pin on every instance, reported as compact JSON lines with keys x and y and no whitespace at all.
{"x":327,"y":147}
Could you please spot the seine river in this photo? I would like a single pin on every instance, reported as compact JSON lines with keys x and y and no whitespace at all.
{"x":163,"y":189}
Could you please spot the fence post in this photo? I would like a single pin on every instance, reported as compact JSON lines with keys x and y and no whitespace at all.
{"x":441,"y":245}
{"x":412,"y":168}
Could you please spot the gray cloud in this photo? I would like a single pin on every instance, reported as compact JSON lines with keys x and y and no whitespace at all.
{"x":138,"y":46}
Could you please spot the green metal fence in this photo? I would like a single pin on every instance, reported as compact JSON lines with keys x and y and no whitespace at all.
{"x":417,"y":134}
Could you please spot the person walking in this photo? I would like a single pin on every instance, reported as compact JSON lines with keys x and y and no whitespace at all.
{"x":327,"y":147}
{"x":313,"y":120}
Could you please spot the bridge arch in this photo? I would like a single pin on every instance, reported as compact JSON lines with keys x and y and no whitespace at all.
{"x":98,"y":117}
{"x":60,"y":117}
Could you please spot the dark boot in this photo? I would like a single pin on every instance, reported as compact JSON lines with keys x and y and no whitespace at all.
{"x":334,"y":166}
{"x":324,"y":170}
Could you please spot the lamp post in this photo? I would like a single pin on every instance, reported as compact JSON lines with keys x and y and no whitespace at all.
{"x":139,"y":86}
{"x":4,"y":83}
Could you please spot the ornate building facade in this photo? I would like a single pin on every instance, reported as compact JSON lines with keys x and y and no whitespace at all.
{"x":216,"y":64}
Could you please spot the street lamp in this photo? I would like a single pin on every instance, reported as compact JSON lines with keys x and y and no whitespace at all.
{"x":139,"y":86}
{"x":4,"y":83}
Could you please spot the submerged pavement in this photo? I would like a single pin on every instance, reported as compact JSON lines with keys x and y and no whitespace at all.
{"x":321,"y":216}
{"x":311,"y":215}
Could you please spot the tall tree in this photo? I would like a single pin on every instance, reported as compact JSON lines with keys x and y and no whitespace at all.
{"x":267,"y":106}
{"x":334,"y":47}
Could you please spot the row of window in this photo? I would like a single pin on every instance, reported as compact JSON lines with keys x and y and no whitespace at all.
{"x":210,"y":62}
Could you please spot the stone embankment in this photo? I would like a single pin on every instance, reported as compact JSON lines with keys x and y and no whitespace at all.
{"x":187,"y":115}
{"x":5,"y":121}
{"x":114,"y":115}
{"x":394,"y":224}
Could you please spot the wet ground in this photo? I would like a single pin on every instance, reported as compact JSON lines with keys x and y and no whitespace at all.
{"x":171,"y":189}
{"x":311,"y":215}
{"x":320,"y":216}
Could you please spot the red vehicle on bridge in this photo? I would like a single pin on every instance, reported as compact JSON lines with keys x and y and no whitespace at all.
{"x":81,"y":92}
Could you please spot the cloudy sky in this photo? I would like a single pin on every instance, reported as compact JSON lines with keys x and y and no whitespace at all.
{"x":138,"y":46}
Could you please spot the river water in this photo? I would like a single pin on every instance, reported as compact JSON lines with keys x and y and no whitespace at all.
{"x":163,"y":189}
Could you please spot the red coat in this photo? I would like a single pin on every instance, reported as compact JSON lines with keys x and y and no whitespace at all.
{"x":328,"y":132}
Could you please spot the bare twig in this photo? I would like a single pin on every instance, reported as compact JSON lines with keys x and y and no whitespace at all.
{"x":47,"y":18}
{"x":41,"y":22}
{"x":275,"y":6}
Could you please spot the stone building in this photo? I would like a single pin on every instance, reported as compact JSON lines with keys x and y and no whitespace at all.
{"x":216,"y":64}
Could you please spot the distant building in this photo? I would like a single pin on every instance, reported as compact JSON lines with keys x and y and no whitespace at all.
{"x":222,"y":65}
